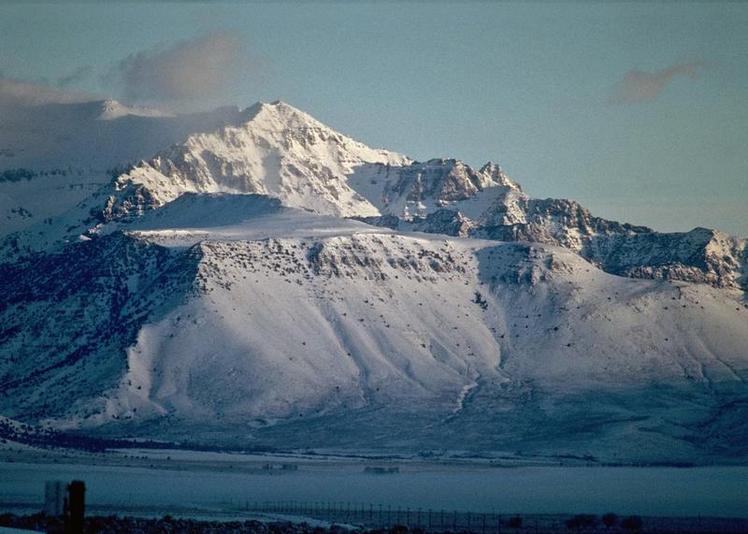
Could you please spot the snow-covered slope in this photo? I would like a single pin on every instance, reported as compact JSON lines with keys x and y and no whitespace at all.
{"x":273,"y":315}
{"x":276,"y":150}
{"x":42,"y":196}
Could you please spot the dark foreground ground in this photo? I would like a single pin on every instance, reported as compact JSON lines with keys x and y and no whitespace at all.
{"x":111,"y":524}
{"x":588,"y":524}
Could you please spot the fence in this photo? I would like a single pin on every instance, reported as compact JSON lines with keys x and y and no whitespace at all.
{"x":376,"y":516}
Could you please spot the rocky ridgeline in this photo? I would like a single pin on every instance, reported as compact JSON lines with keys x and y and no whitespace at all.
{"x":699,"y":256}
{"x":279,"y":151}
{"x":438,"y":182}
{"x":364,"y":257}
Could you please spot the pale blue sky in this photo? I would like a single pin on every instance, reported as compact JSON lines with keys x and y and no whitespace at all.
{"x":534,"y":86}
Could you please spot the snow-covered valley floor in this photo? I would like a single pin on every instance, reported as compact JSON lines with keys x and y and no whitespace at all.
{"x":223,"y":482}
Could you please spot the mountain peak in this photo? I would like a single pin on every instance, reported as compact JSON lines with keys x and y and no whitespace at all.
{"x":275,"y":149}
{"x":497,"y":174}
{"x":281,"y":116}
{"x":113,"y":109}
{"x":280,"y":104}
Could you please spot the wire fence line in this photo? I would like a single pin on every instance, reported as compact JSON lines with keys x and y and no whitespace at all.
{"x":381,"y":516}
{"x":377,"y":516}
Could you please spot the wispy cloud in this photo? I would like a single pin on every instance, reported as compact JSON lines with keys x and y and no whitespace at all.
{"x":641,"y":86}
{"x":79,"y":75}
{"x":199,"y":69}
{"x":15,"y":93}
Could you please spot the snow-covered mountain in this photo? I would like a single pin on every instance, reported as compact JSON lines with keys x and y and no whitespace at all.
{"x":276,"y":150}
{"x":280,"y":151}
{"x":269,"y":314}
{"x":273,"y":282}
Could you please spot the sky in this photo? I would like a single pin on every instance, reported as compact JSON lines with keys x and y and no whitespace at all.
{"x":637,"y":110}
